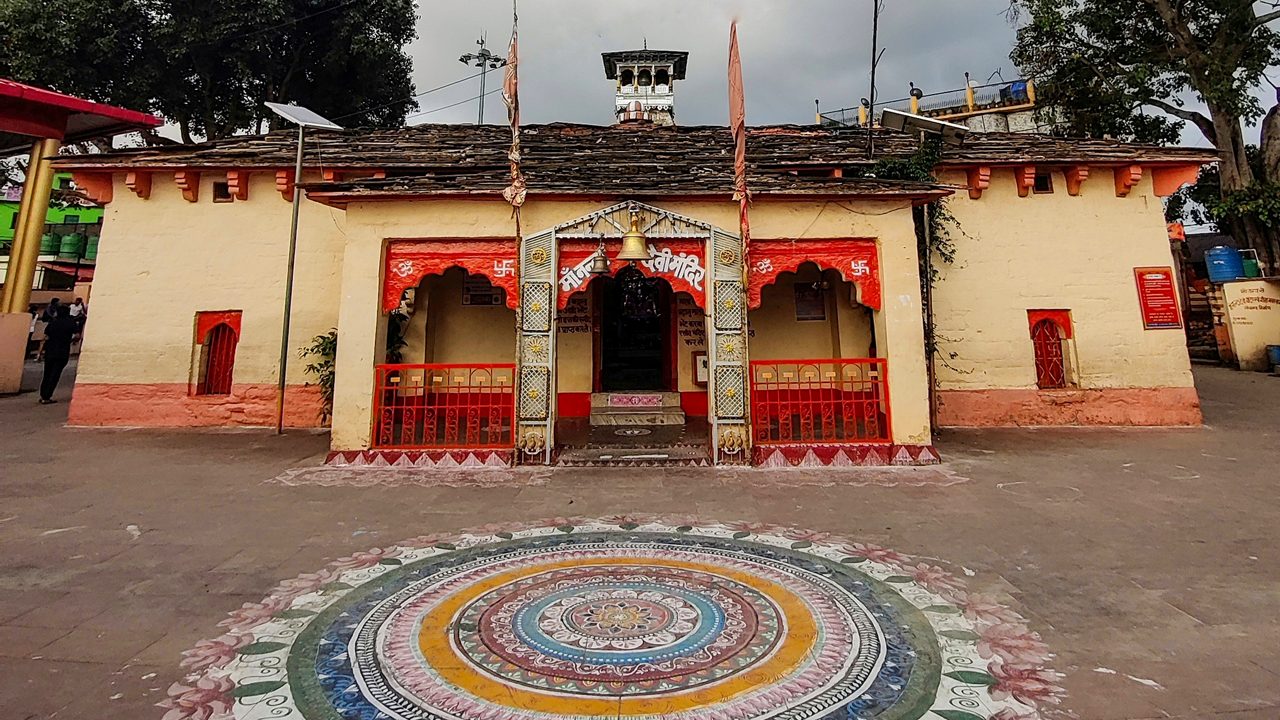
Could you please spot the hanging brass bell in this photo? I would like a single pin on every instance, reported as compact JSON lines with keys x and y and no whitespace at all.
{"x":635,"y":246}
{"x":599,"y":263}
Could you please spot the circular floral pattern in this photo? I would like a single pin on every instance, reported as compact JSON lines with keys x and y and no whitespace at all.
{"x":623,"y":617}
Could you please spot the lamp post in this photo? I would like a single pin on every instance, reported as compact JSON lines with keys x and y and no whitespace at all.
{"x":486,"y":61}
{"x":303,"y":118}
{"x":950,"y":134}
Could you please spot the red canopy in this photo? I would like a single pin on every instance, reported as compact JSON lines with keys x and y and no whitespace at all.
{"x":28,"y":112}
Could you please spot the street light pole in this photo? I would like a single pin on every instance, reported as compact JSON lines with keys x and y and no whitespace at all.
{"x":288,"y":281}
{"x":486,"y":61}
{"x":303,"y":118}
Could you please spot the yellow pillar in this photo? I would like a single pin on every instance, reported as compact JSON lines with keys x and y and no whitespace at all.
{"x":1031,"y":91}
{"x":915,"y":105}
{"x":31,"y":217}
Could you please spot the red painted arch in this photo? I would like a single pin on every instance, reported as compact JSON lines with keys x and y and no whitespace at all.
{"x":855,"y":259}
{"x":408,"y":261}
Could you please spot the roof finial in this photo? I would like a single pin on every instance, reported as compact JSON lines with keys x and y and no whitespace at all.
{"x":646,"y":43}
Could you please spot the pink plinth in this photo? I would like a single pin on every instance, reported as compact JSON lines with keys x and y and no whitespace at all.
{"x":1170,"y":406}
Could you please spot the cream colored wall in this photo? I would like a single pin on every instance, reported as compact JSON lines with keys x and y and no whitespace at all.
{"x":442,"y":330}
{"x":370,"y":224}
{"x":777,"y":335}
{"x":361,"y":322}
{"x":1054,"y":251}
{"x":163,"y":259}
{"x":691,"y":337}
{"x":1253,"y":320}
{"x":574,"y":346}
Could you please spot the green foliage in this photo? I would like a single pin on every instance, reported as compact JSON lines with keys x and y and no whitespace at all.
{"x":919,"y":168}
{"x":208,"y":66}
{"x":1260,"y":202}
{"x":323,"y":350}
{"x":1206,"y":203}
{"x":1099,"y":62}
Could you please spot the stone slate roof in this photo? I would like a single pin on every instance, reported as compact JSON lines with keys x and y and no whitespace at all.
{"x":592,"y":159}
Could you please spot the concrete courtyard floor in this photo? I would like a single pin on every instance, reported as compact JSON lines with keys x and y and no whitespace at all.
{"x":1148,"y":559}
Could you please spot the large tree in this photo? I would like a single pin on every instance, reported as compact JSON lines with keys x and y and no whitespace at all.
{"x":1108,"y":65}
{"x":207,"y":66}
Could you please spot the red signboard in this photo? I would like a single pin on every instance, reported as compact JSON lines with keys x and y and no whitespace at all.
{"x":1158,"y":296}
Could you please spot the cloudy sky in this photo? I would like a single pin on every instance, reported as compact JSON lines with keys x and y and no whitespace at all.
{"x":793,"y":51}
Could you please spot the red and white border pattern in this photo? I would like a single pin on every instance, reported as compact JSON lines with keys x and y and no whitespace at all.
{"x":808,"y":456}
{"x":439,"y":459}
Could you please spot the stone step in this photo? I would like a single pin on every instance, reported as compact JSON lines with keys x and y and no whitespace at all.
{"x":630,"y":456}
{"x":630,"y":416}
{"x":635,"y":401}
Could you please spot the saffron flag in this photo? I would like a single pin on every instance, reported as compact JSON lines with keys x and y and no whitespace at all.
{"x":738,"y":126}
{"x":516,"y":191}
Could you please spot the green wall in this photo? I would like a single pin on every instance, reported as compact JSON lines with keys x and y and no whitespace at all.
{"x":55,"y":215}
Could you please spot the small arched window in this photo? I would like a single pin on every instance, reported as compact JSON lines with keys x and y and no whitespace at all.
{"x":628,"y":78}
{"x":217,"y":333}
{"x":1051,"y":367}
{"x":645,"y":78}
{"x":662,"y":77}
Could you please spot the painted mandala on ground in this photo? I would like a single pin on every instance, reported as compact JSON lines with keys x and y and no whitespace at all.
{"x":623,"y":617}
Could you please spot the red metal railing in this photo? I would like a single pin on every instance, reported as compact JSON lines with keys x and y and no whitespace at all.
{"x":841,"y":401}
{"x":458,"y":407}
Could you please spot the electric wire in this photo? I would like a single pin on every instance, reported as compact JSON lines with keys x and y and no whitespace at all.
{"x":453,"y":104}
{"x":416,"y":95}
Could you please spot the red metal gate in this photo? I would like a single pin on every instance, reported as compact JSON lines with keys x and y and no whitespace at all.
{"x":820,"y":402}
{"x":455,"y":407}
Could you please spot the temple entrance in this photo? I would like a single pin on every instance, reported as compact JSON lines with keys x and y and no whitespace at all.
{"x":634,"y":413}
{"x":634,"y":335}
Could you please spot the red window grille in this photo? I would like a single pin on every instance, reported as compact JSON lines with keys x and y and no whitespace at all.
{"x":219,"y":361}
{"x":457,"y":407}
{"x":1051,"y":368}
{"x":841,"y":401}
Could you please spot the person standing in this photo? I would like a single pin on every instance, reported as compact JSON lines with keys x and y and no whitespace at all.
{"x":79,"y":312}
{"x":57,"y":351}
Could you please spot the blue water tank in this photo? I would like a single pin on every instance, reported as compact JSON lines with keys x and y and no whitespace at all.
{"x":1224,"y":263}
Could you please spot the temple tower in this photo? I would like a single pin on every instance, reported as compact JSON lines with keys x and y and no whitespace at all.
{"x":646,"y":84}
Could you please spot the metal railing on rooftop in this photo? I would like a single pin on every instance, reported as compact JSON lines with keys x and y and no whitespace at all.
{"x":1001,"y":96}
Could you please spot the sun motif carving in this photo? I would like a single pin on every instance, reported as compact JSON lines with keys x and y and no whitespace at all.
{"x":727,"y":257}
{"x":539,"y":256}
{"x":536,"y":350}
{"x":729,"y":348}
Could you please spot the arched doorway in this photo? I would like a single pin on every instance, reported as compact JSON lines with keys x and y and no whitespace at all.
{"x":634,"y":335}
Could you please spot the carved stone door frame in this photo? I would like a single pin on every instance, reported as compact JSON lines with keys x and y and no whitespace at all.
{"x":718,"y":273}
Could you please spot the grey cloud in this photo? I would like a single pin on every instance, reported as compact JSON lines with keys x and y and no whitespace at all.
{"x":793,"y":52}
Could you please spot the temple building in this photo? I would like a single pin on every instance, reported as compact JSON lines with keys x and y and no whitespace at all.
{"x":629,"y":321}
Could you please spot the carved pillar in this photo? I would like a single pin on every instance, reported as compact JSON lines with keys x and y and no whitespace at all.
{"x":536,"y":352}
{"x":727,"y":350}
